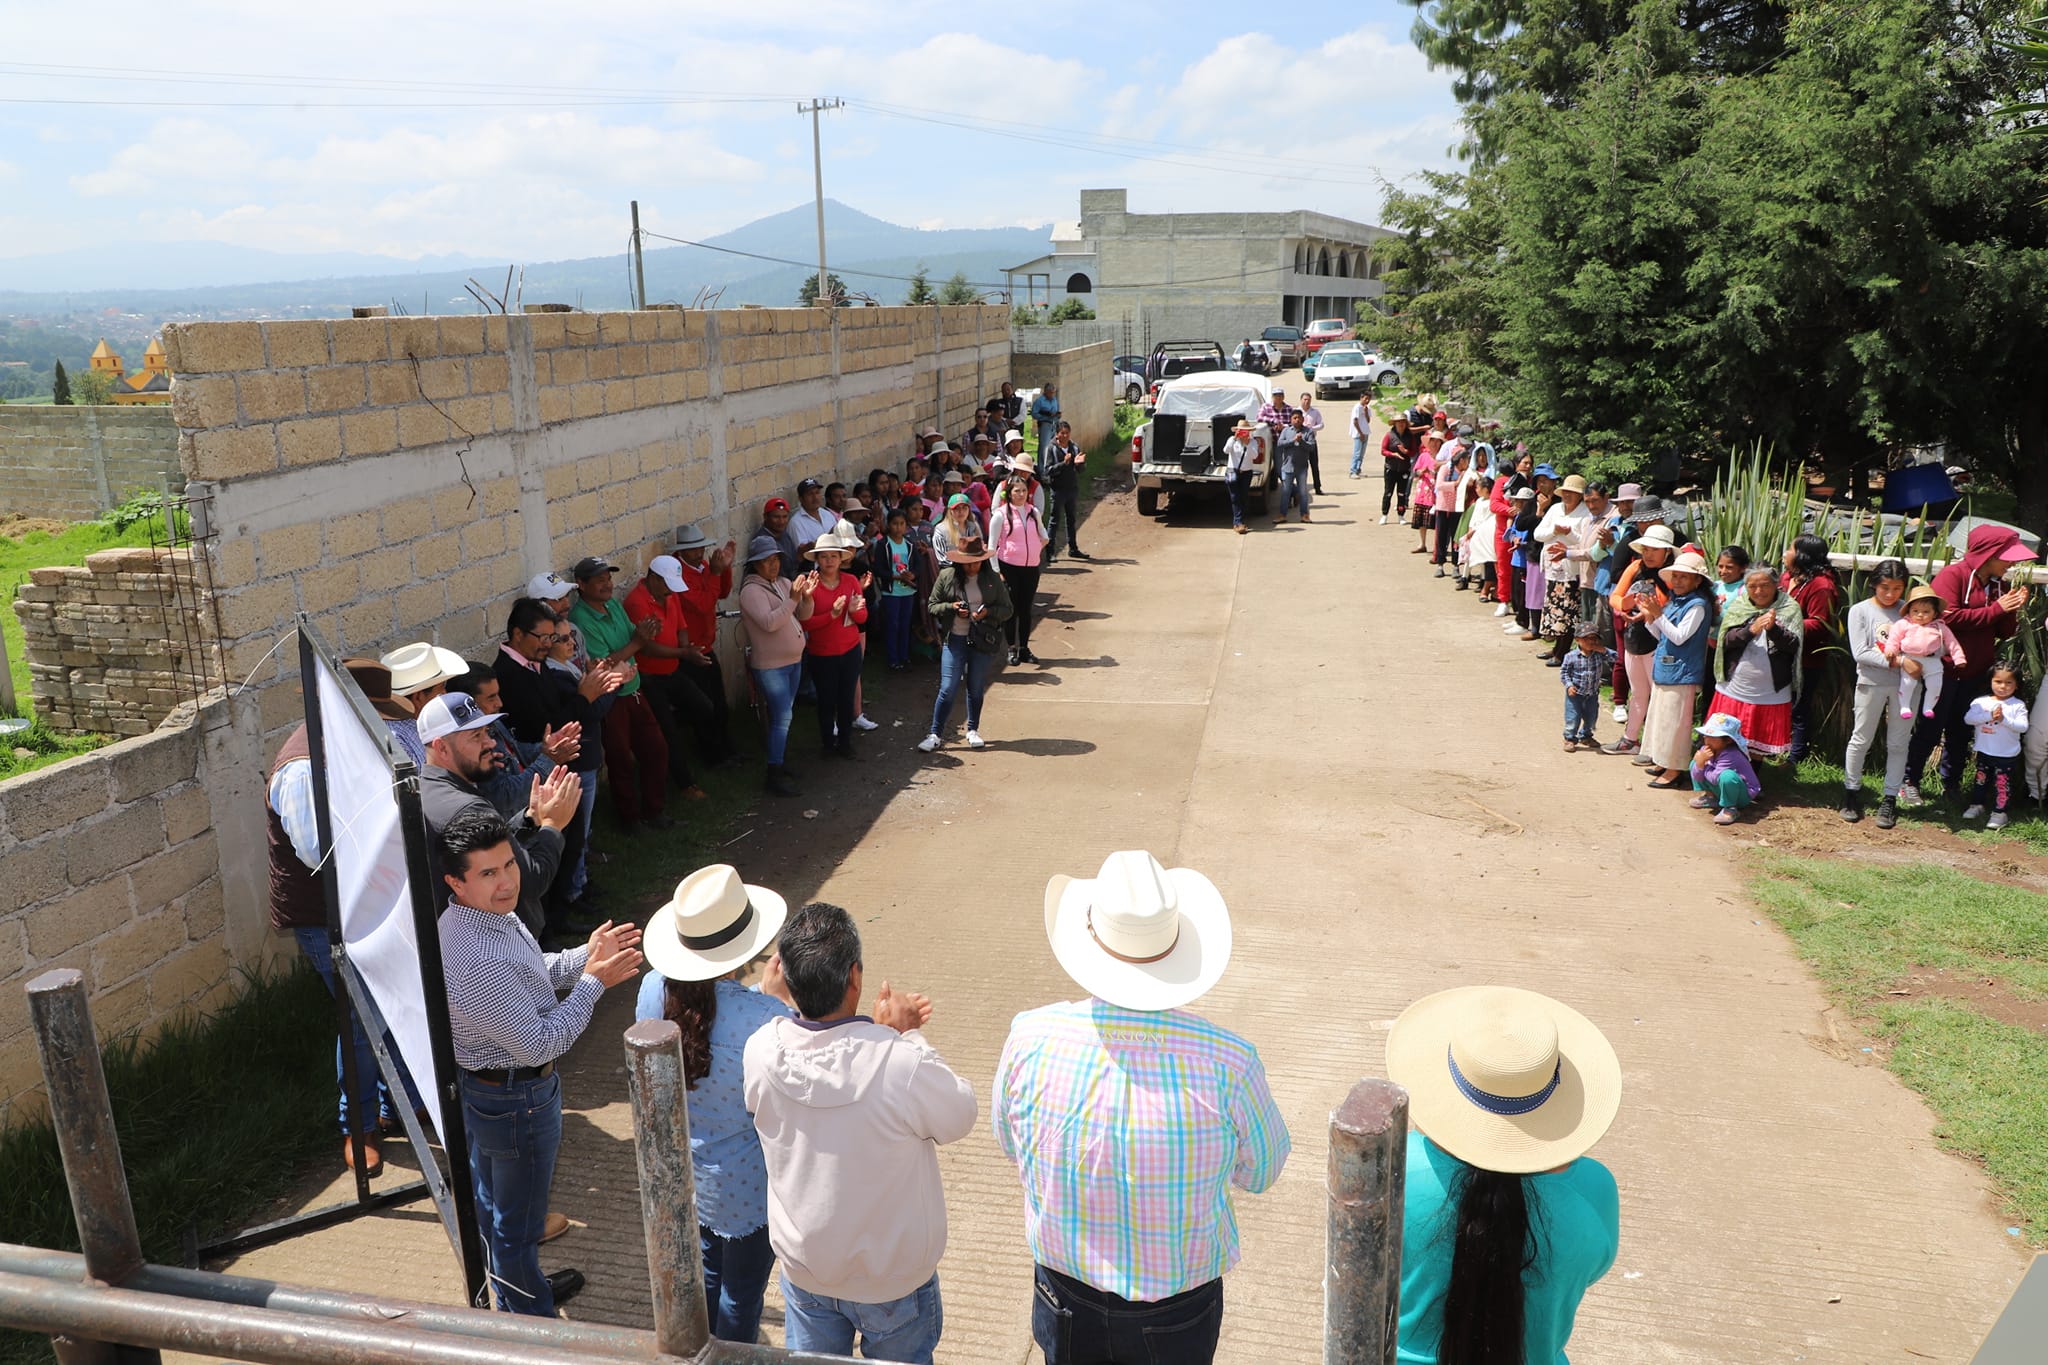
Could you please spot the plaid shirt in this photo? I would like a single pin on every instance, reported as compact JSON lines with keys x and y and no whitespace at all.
{"x":1584,"y":671}
{"x":1129,"y":1128}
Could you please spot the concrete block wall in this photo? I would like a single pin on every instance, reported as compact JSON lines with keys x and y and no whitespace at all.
{"x":402,"y":478}
{"x":73,"y":463}
{"x":1064,"y":337}
{"x":131,"y":864}
{"x":106,"y":642}
{"x":1087,"y":379}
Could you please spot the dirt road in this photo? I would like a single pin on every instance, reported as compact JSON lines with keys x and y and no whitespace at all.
{"x":1370,"y":771}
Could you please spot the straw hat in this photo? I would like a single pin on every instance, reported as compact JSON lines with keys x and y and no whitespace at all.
{"x":842,"y":537}
{"x":1924,"y":593}
{"x":1573,"y":483}
{"x":421,"y":665}
{"x":1504,"y":1079}
{"x":1137,"y":934}
{"x":1658,"y":537}
{"x":969,"y":550}
{"x":1691,"y":561}
{"x":712,"y":924}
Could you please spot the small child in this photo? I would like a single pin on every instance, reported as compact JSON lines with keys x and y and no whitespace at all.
{"x":896,"y":565}
{"x":1721,"y":771}
{"x":1922,"y":634}
{"x":1582,"y":669}
{"x":2001,"y":719}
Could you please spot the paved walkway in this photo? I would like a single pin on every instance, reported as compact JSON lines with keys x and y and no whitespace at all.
{"x":1369,"y":770}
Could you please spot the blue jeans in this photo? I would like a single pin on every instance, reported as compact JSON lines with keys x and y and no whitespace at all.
{"x":897,"y":614}
{"x":736,"y":1281}
{"x":1293,"y":488}
{"x":1357,"y":456}
{"x":515,"y":1132}
{"x":579,"y":875}
{"x":1078,"y":1324}
{"x":375,"y":1095}
{"x":777,"y":687}
{"x":960,"y":661}
{"x":1580,"y":715}
{"x":905,"y":1329}
{"x":1239,"y":486}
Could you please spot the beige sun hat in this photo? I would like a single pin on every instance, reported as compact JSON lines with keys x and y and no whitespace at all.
{"x":842,"y":537}
{"x":421,"y":665}
{"x":712,"y":924}
{"x":1658,"y":537}
{"x":1505,"y":1079}
{"x":1690,"y":562}
{"x":1137,"y":934}
{"x":1573,"y":483}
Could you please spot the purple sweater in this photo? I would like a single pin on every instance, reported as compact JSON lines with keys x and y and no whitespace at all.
{"x":1730,"y":759}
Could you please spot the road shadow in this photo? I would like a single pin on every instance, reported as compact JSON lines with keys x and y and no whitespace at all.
{"x":1045,"y":748}
{"x":1101,"y":661}
{"x":1070,"y":614}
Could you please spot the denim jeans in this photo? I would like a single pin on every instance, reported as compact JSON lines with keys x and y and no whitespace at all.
{"x":1077,"y":1324}
{"x":579,"y":873}
{"x":736,"y":1281}
{"x":375,"y":1095}
{"x":897,"y":614}
{"x":1239,"y":486}
{"x":777,"y":687}
{"x":1581,"y":714}
{"x":958,"y":662}
{"x":905,"y":1329}
{"x":1293,"y":487}
{"x":1357,"y":456}
{"x":514,"y":1133}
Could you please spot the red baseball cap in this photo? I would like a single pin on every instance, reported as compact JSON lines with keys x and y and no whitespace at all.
{"x":775,"y":505}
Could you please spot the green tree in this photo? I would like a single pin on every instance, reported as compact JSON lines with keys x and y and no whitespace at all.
{"x":1070,"y":310}
{"x":957,"y":290}
{"x":92,"y":387}
{"x":60,"y":387}
{"x":1025,"y":316}
{"x":920,"y":287}
{"x":807,"y":292}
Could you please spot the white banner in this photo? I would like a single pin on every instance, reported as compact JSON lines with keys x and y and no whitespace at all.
{"x":370,"y":872}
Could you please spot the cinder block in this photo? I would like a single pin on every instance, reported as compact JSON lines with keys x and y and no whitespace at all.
{"x":420,"y":425}
{"x":333,"y":388}
{"x":456,"y":506}
{"x":291,"y":549}
{"x":385,"y":570}
{"x":186,"y":813}
{"x":462,"y":335}
{"x":205,"y":910}
{"x":408,"y":520}
{"x":351,"y":535}
{"x":234,"y":563}
{"x":488,"y":374}
{"x":214,"y":347}
{"x":369,"y":433}
{"x":419,"y":338}
{"x":312,"y":440}
{"x":264,"y":609}
{"x":234,"y":452}
{"x":443,"y":379}
{"x":297,"y":343}
{"x":325,"y":589}
{"x":587,"y":399}
{"x":435,"y":556}
{"x":161,"y":879}
{"x":501,"y":496}
{"x":136,"y":947}
{"x":556,"y":405}
{"x":116,"y":842}
{"x":155,"y":765}
{"x":368,"y":624}
{"x":79,"y":917}
{"x":203,"y":401}
{"x":483,"y":539}
{"x":35,"y":872}
{"x":421,"y":603}
{"x":360,"y":339}
{"x":124,"y":1009}
{"x":392,"y":385}
{"x":60,"y":795}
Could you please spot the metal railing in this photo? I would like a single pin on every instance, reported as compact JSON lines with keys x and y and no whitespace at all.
{"x":108,"y":1307}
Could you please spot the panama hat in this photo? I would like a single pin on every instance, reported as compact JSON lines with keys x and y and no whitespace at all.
{"x":1013,"y":435}
{"x":1573,"y":483}
{"x":712,"y":924}
{"x":1628,"y":492}
{"x":1504,"y":1079}
{"x":421,"y":665}
{"x":1658,"y":537}
{"x":1924,"y":593}
{"x":1688,"y":561}
{"x":842,"y":537}
{"x":1137,"y":934}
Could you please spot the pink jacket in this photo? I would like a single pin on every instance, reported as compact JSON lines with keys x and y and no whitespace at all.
{"x":1906,"y":636}
{"x":1016,"y":535}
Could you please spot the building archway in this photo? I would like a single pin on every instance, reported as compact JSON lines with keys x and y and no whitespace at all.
{"x":1323,"y":261}
{"x":1077,"y":283}
{"x":1344,"y":265}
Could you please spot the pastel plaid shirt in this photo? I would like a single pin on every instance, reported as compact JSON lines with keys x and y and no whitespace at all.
{"x":1128,"y":1129}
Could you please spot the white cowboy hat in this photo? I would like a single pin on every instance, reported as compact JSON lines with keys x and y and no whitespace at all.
{"x":1655,"y":537}
{"x":421,"y":665}
{"x":1688,"y":562}
{"x":842,"y":537}
{"x":712,"y":924}
{"x":1137,"y":934}
{"x":1504,"y":1079}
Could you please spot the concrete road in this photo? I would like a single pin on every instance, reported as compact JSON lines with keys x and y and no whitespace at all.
{"x":1370,"y":771}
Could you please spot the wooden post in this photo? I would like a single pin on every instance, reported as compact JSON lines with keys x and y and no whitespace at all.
{"x":7,"y":700}
{"x":1362,"y":1258}
{"x":668,"y":1185}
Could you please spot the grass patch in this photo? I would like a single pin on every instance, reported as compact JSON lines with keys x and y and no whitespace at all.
{"x":1818,"y":782}
{"x":1866,"y":929}
{"x":217,"y":1117}
{"x":40,"y":548}
{"x":39,"y":746}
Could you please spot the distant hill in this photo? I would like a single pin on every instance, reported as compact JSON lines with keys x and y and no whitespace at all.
{"x":196,"y":265}
{"x":855,"y":241}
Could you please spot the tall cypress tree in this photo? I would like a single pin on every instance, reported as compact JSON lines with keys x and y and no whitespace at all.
{"x":60,"y":391}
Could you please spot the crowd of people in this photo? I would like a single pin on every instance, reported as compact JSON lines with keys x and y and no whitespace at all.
{"x":1714,"y":664}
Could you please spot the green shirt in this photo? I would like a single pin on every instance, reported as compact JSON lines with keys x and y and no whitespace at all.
{"x":605,"y":633}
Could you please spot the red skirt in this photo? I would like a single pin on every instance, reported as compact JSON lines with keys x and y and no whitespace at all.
{"x":1768,"y":728}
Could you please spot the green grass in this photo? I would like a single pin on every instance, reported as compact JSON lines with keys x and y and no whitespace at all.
{"x":1864,"y":928}
{"x":42,"y":746}
{"x":40,"y":550}
{"x":217,"y":1117}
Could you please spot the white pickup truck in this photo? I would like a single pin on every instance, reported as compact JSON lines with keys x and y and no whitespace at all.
{"x":1181,"y":447}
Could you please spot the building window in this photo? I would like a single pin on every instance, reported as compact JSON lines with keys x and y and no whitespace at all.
{"x":1323,"y":262}
{"x":1077,"y":283}
{"x":1344,"y":264}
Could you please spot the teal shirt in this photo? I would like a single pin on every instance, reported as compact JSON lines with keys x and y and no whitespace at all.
{"x":605,"y":633}
{"x":1575,"y":1232}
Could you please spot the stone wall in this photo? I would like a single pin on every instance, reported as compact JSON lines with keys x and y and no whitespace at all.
{"x":1087,"y":380}
{"x":138,"y":865}
{"x":106,"y":643}
{"x":1064,"y":337}
{"x":73,"y":463}
{"x":402,"y":478}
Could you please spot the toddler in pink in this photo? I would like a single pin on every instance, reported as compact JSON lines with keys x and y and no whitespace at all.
{"x":1922,"y":634}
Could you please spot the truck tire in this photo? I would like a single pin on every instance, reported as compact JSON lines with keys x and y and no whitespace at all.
{"x":1148,"y":502}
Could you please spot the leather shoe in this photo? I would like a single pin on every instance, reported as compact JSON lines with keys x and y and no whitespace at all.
{"x":373,"y":1155}
{"x":556,"y":1225}
{"x":566,"y":1284}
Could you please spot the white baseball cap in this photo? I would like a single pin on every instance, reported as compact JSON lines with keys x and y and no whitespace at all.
{"x":450,"y":714}
{"x":669,"y":569}
{"x":549,"y":586}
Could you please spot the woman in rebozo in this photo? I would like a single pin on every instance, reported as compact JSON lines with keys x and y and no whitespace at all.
{"x":774,"y":616}
{"x":698,"y":945}
{"x":1506,"y":1221}
{"x":1679,"y":669}
{"x":1810,"y":580}
{"x":1757,"y":663}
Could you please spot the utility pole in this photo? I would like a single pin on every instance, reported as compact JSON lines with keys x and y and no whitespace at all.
{"x":639,"y":261}
{"x":814,"y":108}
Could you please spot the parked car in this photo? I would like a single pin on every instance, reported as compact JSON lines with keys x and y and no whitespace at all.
{"x":1130,"y":384}
{"x":1181,"y":447}
{"x":1341,"y":369}
{"x":1323,"y":331}
{"x":1286,"y":343}
{"x":1256,"y":357}
{"x":1384,"y":371}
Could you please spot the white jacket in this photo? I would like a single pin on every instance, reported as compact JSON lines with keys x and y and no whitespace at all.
{"x":851,"y":1116}
{"x":1998,"y":738}
{"x":1559,"y":529}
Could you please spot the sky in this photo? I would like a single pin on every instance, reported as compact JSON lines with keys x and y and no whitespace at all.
{"x":520,"y":130}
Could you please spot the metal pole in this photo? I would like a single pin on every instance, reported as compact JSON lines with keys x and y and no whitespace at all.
{"x":7,"y":701}
{"x":83,"y":1117}
{"x":639,"y":260}
{"x":1362,"y":1259}
{"x":818,"y":190}
{"x":668,"y":1187}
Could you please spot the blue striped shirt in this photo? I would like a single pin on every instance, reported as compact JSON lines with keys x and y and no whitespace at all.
{"x":502,"y":1006}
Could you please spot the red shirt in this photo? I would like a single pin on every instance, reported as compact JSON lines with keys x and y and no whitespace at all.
{"x":829,"y":636}
{"x":640,"y":605}
{"x":703,"y":590}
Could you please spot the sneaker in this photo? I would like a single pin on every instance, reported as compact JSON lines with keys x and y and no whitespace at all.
{"x":1620,"y":746}
{"x":928,"y":743}
{"x":1512,"y":628}
{"x":1571,"y":746}
{"x":1702,"y":802}
{"x":1643,"y":761}
{"x":1973,"y":812}
{"x":1726,"y":817}
{"x":1905,"y":713}
{"x":975,"y":741}
{"x":1909,"y":797}
{"x":1501,"y":610}
{"x":1997,"y":821}
{"x":1887,"y":812}
{"x":863,"y":723}
{"x":1383,"y":521}
{"x":1852,"y":804}
{"x":1928,"y":714}
{"x":1621,"y":714}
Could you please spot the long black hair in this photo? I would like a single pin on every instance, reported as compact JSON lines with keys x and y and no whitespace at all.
{"x":691,"y":1006}
{"x":1484,"y":1308}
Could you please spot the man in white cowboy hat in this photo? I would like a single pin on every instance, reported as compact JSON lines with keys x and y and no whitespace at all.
{"x":1507,"y":1092}
{"x":851,"y":1110}
{"x":1127,"y":1191}
{"x":421,"y":672}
